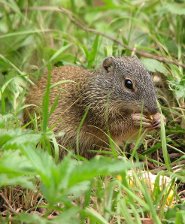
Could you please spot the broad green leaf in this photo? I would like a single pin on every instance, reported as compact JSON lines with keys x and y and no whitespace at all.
{"x":97,"y":167}
{"x":15,"y":169}
{"x":31,"y":218}
{"x":154,"y":66}
{"x":175,"y":8}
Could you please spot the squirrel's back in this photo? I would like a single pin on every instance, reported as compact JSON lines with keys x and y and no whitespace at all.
{"x":62,"y":78}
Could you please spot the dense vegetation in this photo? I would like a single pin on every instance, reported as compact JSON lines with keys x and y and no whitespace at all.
{"x":39,"y":188}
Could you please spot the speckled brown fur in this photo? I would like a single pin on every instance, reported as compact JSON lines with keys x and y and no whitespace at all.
{"x":102,"y":93}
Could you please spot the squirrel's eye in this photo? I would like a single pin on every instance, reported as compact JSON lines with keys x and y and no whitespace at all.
{"x":128,"y":84}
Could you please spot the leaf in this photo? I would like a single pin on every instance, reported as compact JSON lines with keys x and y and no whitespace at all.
{"x":15,"y":139}
{"x":180,"y":217}
{"x":24,"y":139}
{"x":175,"y":8}
{"x":154,"y":66}
{"x":6,"y":120}
{"x":79,"y":189}
{"x":97,"y":167}
{"x":14,"y":170}
{"x":31,"y":218}
{"x":23,"y":181}
{"x":70,"y":176}
{"x":68,"y":216}
{"x":60,"y":175}
{"x":178,"y":87}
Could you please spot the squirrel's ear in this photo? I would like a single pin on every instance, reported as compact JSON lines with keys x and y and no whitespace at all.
{"x":108,"y":63}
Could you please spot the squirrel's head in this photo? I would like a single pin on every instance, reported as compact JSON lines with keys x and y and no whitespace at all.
{"x":128,"y":84}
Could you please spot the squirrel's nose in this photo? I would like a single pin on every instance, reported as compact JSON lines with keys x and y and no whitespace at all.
{"x":150,"y":106}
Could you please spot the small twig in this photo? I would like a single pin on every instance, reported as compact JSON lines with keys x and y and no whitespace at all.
{"x":82,"y":26}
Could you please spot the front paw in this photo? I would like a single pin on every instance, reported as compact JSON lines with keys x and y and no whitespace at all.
{"x":150,"y":122}
{"x":141,"y":120}
{"x":157,"y":119}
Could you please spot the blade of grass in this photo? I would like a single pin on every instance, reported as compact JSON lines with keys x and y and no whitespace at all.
{"x":164,"y":144}
{"x":90,"y":212}
{"x":45,"y":102}
{"x":78,"y":130}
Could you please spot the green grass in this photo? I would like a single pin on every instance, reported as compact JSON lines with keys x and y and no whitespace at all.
{"x":36,"y":187}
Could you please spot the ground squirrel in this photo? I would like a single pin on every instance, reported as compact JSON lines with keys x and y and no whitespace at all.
{"x":96,"y":104}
